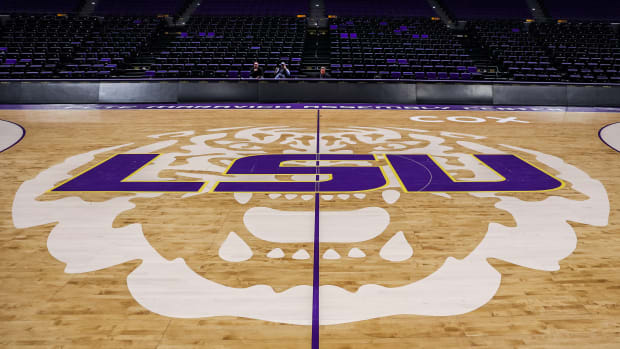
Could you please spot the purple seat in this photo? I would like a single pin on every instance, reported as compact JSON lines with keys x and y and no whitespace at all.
{"x":454,"y":76}
{"x":395,"y":75}
{"x":431,"y":75}
{"x":419,"y":75}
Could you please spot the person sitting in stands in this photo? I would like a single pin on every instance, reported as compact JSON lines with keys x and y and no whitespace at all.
{"x":323,"y":74}
{"x":256,"y":72}
{"x":282,"y":71}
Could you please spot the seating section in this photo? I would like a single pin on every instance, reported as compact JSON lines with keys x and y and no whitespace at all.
{"x":515,"y":50}
{"x":574,"y":52}
{"x":226,"y":47}
{"x":583,"y":52}
{"x":361,"y":47}
{"x":71,"y":47}
{"x":393,"y":48}
{"x":409,"y":8}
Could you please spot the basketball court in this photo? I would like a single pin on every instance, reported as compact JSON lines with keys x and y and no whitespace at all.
{"x":298,"y":226}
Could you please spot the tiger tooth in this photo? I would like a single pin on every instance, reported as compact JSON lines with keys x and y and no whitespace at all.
{"x":356,"y":253}
{"x":243,"y":198}
{"x":276,"y":253}
{"x":327,"y":197}
{"x":397,"y":249}
{"x":301,"y":254}
{"x":390,"y":196}
{"x":234,"y":249}
{"x":331,"y":254}
{"x":274,"y":196}
{"x":359,"y":196}
{"x":290,"y":196}
{"x":344,"y":196}
{"x":306,"y":197}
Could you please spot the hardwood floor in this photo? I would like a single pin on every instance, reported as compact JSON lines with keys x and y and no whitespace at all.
{"x":458,"y":268}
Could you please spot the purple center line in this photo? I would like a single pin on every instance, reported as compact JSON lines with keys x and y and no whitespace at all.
{"x":315,"y":266}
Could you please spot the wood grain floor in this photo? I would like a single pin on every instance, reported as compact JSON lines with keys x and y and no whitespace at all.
{"x":575,"y":306}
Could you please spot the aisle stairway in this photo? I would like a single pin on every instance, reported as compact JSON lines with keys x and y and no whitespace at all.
{"x":316,"y":52}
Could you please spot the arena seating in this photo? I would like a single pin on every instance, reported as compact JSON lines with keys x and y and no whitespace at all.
{"x":406,"y":47}
{"x":222,"y":40}
{"x":583,"y":52}
{"x":226,"y":47}
{"x":71,"y":47}
{"x":516,"y":51}
{"x":579,"y":52}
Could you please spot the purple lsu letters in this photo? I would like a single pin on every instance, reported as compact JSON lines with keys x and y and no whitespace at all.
{"x":417,"y":173}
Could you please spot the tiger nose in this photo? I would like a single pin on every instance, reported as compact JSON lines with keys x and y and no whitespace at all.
{"x":298,"y":226}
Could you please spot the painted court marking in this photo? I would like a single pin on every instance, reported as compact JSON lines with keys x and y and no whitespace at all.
{"x":189,"y":295}
{"x":252,"y":230}
{"x":317,"y":252}
{"x":610,"y":135}
{"x":10,"y":134}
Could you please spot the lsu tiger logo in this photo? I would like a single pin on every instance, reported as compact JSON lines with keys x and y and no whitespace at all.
{"x":215,"y":215}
